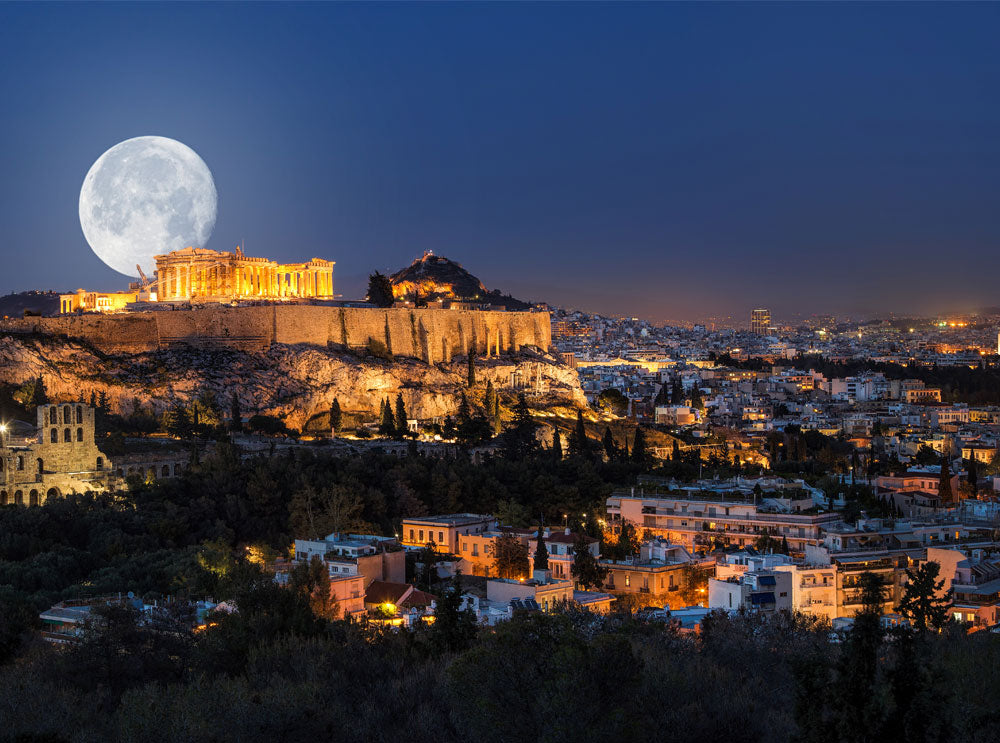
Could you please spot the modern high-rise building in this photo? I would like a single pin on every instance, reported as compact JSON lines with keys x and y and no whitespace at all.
{"x":760,"y":321}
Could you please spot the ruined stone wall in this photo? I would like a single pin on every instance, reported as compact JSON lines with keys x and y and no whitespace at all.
{"x":429,"y":334}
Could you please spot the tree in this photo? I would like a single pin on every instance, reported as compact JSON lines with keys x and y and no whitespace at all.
{"x":926,"y":455}
{"x":944,"y":483}
{"x":612,"y":401}
{"x":557,"y":449}
{"x":519,"y":438}
{"x":380,"y":290}
{"x":490,"y":403}
{"x":510,"y":556}
{"x":662,"y":398}
{"x":587,"y":571}
{"x":336,"y":417}
{"x":472,"y":370}
{"x":920,"y":601}
{"x":312,"y":581}
{"x":610,"y":448}
{"x":696,"y":402}
{"x":972,"y":476}
{"x":402,"y":426}
{"x":428,"y":561}
{"x":628,"y":540}
{"x":235,"y":414}
{"x":541,"y":551}
{"x":640,"y":455}
{"x":579,"y":445}
{"x":387,"y":424}
{"x":675,"y":452}
{"x":454,"y":628}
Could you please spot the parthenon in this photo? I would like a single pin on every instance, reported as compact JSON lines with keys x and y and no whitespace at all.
{"x":201,"y":274}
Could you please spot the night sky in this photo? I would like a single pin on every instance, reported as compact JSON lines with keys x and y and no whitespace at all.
{"x":672,"y":161}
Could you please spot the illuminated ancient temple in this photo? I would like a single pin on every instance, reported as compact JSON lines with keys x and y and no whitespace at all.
{"x":200,"y":274}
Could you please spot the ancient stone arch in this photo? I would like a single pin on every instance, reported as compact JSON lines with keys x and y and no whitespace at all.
{"x":33,"y":498}
{"x":4,"y":498}
{"x":19,"y":497}
{"x":52,"y":493}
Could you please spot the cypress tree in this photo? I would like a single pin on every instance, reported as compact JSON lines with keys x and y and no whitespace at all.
{"x":472,"y":370}
{"x":972,"y":476}
{"x":336,"y":416}
{"x":557,"y":450}
{"x":387,"y":426}
{"x":541,"y":551}
{"x":610,"y":449}
{"x":578,"y":444}
{"x":944,"y":484}
{"x":639,"y":453}
{"x":401,"y":417}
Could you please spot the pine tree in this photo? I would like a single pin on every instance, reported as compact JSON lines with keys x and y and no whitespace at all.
{"x":472,"y":370}
{"x":336,"y":416}
{"x":454,"y":628}
{"x":944,"y":483}
{"x":920,"y":601}
{"x":235,"y":414}
{"x":586,"y":570}
{"x":610,"y":449}
{"x":380,"y":290}
{"x":520,"y":441}
{"x":541,"y":551}
{"x":402,"y":427}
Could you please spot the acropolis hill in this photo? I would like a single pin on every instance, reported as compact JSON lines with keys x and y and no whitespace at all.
{"x":286,"y":358}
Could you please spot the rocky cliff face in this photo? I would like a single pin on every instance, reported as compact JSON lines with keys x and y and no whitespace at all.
{"x":295,"y":383}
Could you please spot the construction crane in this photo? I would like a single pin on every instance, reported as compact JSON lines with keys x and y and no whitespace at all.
{"x":142,"y":277}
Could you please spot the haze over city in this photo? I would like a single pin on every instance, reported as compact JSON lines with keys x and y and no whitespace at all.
{"x":670,"y":161}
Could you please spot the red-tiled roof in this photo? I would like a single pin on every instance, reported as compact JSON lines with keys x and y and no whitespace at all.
{"x":381,"y":592}
{"x":419,"y":598}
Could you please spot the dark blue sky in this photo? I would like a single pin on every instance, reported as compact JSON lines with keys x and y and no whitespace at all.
{"x":665,"y":160}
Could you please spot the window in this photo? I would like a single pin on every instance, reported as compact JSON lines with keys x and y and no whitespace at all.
{"x":53,"y":416}
{"x":20,"y":464}
{"x":411,"y":535}
{"x":67,"y":414}
{"x":100,"y":465}
{"x":440,"y":537}
{"x":66,"y":435}
{"x":465,"y":546}
{"x":79,"y":434}
{"x":54,"y":436}
{"x":628,"y":579}
{"x":475,"y":550}
{"x":79,"y":414}
{"x":421,"y":535}
{"x":783,"y":593}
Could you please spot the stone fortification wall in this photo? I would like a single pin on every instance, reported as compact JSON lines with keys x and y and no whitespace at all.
{"x":429,"y":334}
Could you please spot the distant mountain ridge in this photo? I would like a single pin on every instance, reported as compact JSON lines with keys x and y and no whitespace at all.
{"x":42,"y":302}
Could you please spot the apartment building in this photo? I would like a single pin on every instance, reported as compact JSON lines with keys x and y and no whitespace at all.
{"x":697,"y":520}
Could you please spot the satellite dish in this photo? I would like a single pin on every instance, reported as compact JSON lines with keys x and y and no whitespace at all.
{"x":131,"y":595}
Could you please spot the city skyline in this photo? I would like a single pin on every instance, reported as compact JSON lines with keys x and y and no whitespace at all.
{"x":708,"y":160}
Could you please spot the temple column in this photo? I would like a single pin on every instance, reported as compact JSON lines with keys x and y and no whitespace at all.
{"x":281,"y":284}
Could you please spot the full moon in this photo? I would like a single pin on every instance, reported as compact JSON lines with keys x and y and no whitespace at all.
{"x":145,"y":197}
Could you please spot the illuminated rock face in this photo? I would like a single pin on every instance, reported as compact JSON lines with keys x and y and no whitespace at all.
{"x":294,"y":382}
{"x":434,"y":277}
